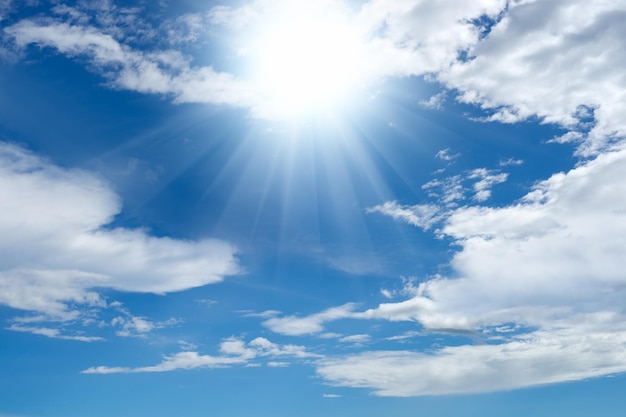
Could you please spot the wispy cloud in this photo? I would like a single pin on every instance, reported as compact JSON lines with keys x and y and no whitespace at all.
{"x":486,"y":180}
{"x":234,"y":351}
{"x":510,"y":162}
{"x":161,"y":72}
{"x":445,"y":155}
{"x":356,"y":338}
{"x":538,"y":358}
{"x":420,"y":215}
{"x":436,"y":103}
{"x":297,"y":326}
{"x":129,"y":325}
{"x":54,"y":333}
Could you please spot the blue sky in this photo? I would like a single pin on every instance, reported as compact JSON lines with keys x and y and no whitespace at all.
{"x":342,"y":208}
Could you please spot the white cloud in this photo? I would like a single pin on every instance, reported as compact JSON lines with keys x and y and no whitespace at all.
{"x":54,"y":333}
{"x":400,"y":37}
{"x":162,"y":72}
{"x":275,"y":364}
{"x":187,"y":346}
{"x":297,"y":326}
{"x":510,"y":161}
{"x":538,"y":358}
{"x":55,"y":249}
{"x":436,"y":103}
{"x":234,"y":351}
{"x":406,"y":37}
{"x":386,"y":293}
{"x":486,"y":180}
{"x":552,"y":262}
{"x":356,"y":338}
{"x":137,"y":326}
{"x":404,"y":336}
{"x":556,"y":251}
{"x":420,"y":215}
{"x":451,"y":190}
{"x":444,"y":155}
{"x":556,"y":60}
{"x":264,"y":347}
{"x":5,"y":6}
{"x":180,"y":360}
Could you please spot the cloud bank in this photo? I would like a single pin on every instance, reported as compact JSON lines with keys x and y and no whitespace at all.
{"x":551,"y":264}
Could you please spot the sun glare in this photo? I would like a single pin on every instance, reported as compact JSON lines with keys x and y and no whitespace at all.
{"x":308,"y":61}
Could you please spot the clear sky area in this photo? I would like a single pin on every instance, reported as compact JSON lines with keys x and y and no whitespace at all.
{"x":312,"y":208}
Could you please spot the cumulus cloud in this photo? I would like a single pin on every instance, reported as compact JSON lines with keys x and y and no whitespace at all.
{"x":560,"y":61}
{"x":545,"y":274}
{"x":55,"y":248}
{"x":406,"y":37}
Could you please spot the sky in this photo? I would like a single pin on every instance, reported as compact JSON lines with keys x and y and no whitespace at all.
{"x":332,"y":207}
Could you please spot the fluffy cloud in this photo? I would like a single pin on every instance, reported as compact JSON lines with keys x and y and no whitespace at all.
{"x":558,"y":60}
{"x":552,"y":262}
{"x":409,"y":39}
{"x":55,"y":247}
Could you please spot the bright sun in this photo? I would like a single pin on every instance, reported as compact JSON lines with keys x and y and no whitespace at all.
{"x":307,"y":60}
